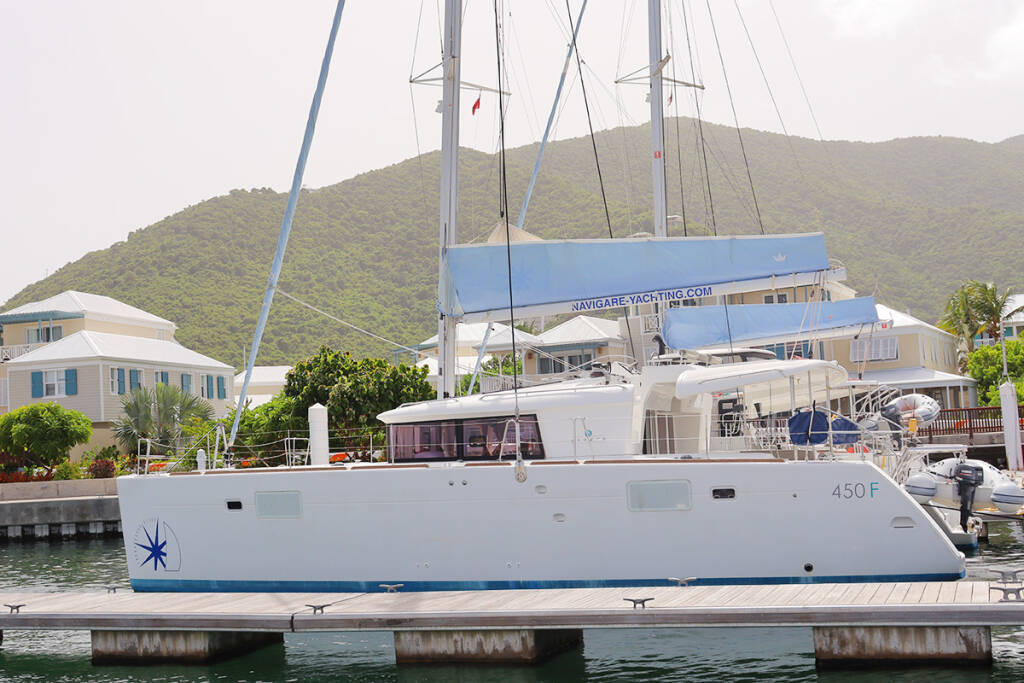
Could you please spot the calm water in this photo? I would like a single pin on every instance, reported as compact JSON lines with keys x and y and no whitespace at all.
{"x":608,"y":655}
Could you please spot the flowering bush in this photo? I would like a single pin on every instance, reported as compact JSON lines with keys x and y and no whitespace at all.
{"x":22,"y":477}
{"x":246,"y":463}
{"x":104,"y":468}
{"x":338,"y":457}
{"x":157,"y":466}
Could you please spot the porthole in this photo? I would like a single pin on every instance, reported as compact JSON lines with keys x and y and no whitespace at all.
{"x":723,"y":494}
{"x":234,"y":505}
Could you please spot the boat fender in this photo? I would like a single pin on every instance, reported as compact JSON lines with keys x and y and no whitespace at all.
{"x":921,"y":487}
{"x":1008,"y":497}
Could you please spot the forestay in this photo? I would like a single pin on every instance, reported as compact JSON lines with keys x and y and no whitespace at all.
{"x":694,"y":327}
{"x":590,"y":275}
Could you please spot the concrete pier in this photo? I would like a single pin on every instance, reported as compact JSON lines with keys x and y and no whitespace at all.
{"x":188,"y":647}
{"x":52,"y":517}
{"x":513,"y":646}
{"x":862,"y":646}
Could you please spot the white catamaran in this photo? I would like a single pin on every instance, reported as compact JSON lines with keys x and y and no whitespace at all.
{"x":620,"y":477}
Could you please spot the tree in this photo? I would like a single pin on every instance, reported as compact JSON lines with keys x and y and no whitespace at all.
{"x":986,"y":366}
{"x":158,"y":415}
{"x":354,"y":391}
{"x":991,"y":307}
{"x":960,"y":319}
{"x":43,"y":433}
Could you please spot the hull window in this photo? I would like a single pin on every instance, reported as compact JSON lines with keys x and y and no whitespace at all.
{"x":278,"y":504}
{"x":723,"y":494}
{"x":658,"y":496}
{"x":484,"y":438}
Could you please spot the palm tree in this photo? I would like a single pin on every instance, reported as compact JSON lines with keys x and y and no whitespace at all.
{"x":157,"y":415}
{"x":961,"y":320}
{"x":991,"y":307}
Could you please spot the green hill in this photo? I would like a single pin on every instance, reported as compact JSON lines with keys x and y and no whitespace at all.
{"x":910,"y":218}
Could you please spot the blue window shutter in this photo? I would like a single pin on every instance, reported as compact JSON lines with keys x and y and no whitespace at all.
{"x":133,"y":379}
{"x":209,"y":386}
{"x":164,"y":377}
{"x":37,"y":384}
{"x":186,"y":382}
{"x":221,"y":393}
{"x":120,"y":380}
{"x":70,"y":382}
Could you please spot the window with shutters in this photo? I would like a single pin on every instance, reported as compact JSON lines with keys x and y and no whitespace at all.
{"x":878,"y":348}
{"x":205,"y":382}
{"x":53,"y":383}
{"x":117,"y":381}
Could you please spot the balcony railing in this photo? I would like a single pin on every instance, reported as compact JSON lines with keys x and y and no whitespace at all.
{"x":14,"y":350}
{"x":969,"y":421}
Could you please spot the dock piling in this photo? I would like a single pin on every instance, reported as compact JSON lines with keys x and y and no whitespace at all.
{"x":184,"y":647}
{"x":842,"y":646}
{"x":513,"y":646}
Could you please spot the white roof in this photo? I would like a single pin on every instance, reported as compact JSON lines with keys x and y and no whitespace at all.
{"x":902,"y":319}
{"x":580,"y":330}
{"x":94,"y":306}
{"x":469,"y":334}
{"x":502,"y":340}
{"x":905,"y":378}
{"x":88,"y":345}
{"x":1015,"y":301}
{"x":264,"y":376}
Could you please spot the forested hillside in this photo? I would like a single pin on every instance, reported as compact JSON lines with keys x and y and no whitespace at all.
{"x":910,"y":218}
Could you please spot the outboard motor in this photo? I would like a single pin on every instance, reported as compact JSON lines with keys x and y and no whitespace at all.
{"x":968,"y":478}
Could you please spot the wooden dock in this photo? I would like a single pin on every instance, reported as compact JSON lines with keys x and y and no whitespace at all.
{"x":959,"y":605}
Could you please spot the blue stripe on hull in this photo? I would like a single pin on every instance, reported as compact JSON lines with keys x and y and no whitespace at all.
{"x":208,"y":586}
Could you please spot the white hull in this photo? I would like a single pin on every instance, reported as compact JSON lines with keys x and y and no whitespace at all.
{"x":471,"y":526}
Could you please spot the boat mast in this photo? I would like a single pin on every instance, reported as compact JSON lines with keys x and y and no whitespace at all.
{"x":446,"y":340}
{"x":657,"y":61}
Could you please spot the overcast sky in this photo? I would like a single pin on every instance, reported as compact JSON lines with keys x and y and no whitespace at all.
{"x":114,"y":115}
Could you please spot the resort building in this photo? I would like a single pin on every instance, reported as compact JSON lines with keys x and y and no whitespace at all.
{"x":86,"y":352}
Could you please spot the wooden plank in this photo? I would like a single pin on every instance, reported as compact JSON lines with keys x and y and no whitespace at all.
{"x":882,"y":594}
{"x":981,"y":592}
{"x":947,"y":593}
{"x":863,"y":596}
{"x":964,"y":591}
{"x":931,"y":592}
{"x":898,"y":595}
{"x":913,"y":596}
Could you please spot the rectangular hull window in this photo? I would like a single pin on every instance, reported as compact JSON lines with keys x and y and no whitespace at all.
{"x":489,"y":438}
{"x":658,"y":496}
{"x":278,"y":504}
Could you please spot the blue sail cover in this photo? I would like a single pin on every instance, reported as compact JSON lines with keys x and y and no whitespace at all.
{"x":590,"y":275}
{"x":694,"y":327}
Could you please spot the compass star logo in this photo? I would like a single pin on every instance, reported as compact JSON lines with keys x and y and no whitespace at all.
{"x":155,"y":548}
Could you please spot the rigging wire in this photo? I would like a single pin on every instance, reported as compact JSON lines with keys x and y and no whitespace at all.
{"x":347,"y":324}
{"x":732,"y":104}
{"x":597,"y":160}
{"x":799,"y":80}
{"x":503,"y":192}
{"x":412,"y":104}
{"x":771,"y":95}
{"x":709,"y":207}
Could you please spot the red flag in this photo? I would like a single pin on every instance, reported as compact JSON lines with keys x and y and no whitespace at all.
{"x":476,"y":105}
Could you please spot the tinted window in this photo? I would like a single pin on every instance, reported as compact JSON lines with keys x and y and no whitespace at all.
{"x":490,"y":438}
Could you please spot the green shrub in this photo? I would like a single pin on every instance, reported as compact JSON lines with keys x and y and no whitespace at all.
{"x":67,"y":470}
